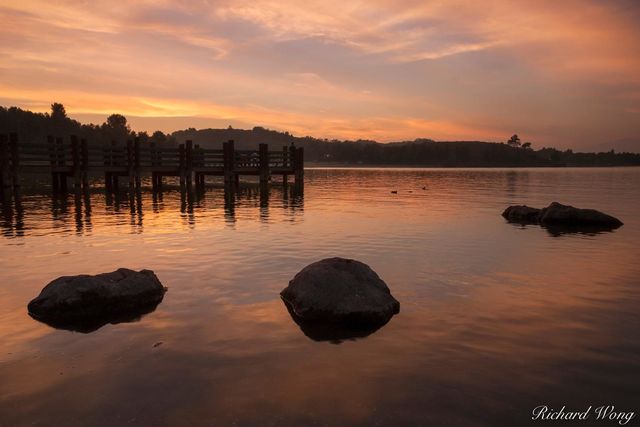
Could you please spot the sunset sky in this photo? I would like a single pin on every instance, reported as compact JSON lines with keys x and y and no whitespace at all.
{"x":562,"y":73}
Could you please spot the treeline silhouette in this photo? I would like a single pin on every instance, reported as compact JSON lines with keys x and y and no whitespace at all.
{"x":32,"y":126}
{"x":420,"y":152}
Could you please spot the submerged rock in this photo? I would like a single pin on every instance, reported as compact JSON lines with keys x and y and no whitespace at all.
{"x":339,"y":292}
{"x":85,"y":303}
{"x":559,"y":215}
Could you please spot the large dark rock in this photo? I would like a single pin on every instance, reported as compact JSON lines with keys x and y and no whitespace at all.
{"x":557,"y":213}
{"x":85,"y":303}
{"x":340,"y":292}
{"x":561,"y":216}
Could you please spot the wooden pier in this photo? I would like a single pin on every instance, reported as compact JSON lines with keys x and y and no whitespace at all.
{"x":76,"y":160}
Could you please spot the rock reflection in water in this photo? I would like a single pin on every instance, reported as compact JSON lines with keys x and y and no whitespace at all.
{"x":336,"y":333}
{"x":86,"y":326}
{"x":558,"y":230}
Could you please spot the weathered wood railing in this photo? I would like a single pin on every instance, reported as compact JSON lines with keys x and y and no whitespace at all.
{"x":76,"y":159}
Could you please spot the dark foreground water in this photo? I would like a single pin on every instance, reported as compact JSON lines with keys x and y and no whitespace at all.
{"x":495,"y":319}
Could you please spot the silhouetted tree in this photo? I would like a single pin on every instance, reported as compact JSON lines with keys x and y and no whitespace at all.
{"x":526,"y":145}
{"x":116,"y":128}
{"x":514,"y":141}
{"x":158,"y":137}
{"x":143,"y":136}
{"x":58,"y":112}
{"x":118,"y":121}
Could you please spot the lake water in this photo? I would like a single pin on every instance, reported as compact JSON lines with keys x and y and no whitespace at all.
{"x":495,"y":318}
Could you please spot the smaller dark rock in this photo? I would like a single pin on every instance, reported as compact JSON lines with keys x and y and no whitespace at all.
{"x":522,"y":214}
{"x":85,"y":303}
{"x":557,"y":213}
{"x":561,"y":217}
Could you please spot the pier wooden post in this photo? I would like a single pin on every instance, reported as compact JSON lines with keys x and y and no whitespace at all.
{"x":136,"y":154}
{"x":136,"y":161}
{"x":108,"y":160}
{"x":288,"y":157}
{"x":264,"y":163}
{"x":131,"y":164}
{"x":189,"y":162}
{"x":229,"y":155}
{"x":84,"y":161}
{"x":182,"y":168}
{"x":232,"y":160}
{"x":156,"y":180}
{"x":5,"y":174}
{"x":225,"y":158}
{"x":286,"y":164}
{"x":61,"y":162}
{"x":53,"y":162}
{"x":15,"y":161}
{"x":299,"y":165}
{"x":198,"y":161}
{"x":291,"y":157}
{"x":285,"y":157}
{"x":110,"y":178}
{"x":152,"y":154}
{"x":76,"y":168}
{"x":114,"y":162}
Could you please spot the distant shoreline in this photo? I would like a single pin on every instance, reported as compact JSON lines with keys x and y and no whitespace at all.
{"x":319,"y":165}
{"x":419,"y":153}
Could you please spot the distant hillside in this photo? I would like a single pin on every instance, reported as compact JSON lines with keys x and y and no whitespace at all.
{"x":244,"y":139}
{"x":421,"y":152}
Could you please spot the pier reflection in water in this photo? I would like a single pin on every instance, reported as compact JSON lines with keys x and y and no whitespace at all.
{"x":80,"y":212}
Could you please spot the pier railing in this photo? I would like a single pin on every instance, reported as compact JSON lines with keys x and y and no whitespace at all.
{"x":76,"y":159}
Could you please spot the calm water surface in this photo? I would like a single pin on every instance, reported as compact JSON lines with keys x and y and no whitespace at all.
{"x":495,"y":319}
